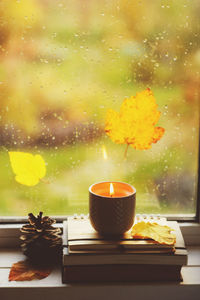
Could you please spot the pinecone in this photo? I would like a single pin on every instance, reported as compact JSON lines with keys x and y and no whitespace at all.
{"x":41,"y":241}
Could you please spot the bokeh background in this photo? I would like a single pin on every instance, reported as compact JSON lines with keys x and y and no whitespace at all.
{"x":63,"y":64}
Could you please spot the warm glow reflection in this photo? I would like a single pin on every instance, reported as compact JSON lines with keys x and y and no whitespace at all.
{"x":105,"y":156}
{"x":111,"y":189}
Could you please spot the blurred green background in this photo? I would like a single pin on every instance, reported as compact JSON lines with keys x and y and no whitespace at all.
{"x":63,"y":64}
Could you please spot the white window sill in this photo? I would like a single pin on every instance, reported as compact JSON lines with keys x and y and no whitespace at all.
{"x":52,"y":287}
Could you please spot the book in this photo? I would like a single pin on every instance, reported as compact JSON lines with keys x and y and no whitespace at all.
{"x":120,"y":273}
{"x":89,"y":257}
{"x":81,"y":236}
{"x":83,"y":245}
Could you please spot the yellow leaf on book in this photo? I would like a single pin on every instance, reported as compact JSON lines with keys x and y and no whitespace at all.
{"x":159,"y":233}
{"x":28,"y":168}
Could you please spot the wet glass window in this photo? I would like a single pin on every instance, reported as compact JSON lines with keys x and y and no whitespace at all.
{"x":63,"y":64}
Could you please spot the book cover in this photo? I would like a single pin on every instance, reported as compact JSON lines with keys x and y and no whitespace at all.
{"x":120,"y":273}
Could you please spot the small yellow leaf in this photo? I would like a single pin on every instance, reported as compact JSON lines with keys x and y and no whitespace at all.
{"x":159,"y":233}
{"x":28,"y":168}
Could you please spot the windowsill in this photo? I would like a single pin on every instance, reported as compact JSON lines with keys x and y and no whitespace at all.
{"x":52,"y":287}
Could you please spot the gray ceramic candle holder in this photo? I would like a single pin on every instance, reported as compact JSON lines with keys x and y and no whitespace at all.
{"x":112,"y":215}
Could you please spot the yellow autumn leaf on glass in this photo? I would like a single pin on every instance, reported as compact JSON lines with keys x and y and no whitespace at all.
{"x":28,"y":168}
{"x":159,"y":233}
{"x":135,"y":123}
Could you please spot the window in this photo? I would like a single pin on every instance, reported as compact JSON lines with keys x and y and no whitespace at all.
{"x":63,"y":64}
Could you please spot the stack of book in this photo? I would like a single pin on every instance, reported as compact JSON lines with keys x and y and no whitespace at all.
{"x":89,"y":257}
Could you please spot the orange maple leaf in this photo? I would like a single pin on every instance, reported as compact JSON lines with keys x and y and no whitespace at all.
{"x":135,"y":123}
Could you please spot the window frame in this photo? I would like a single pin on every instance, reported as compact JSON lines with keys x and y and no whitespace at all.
{"x":198,"y":183}
{"x":59,"y":219}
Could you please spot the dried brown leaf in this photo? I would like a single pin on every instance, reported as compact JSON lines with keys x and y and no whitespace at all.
{"x":24,"y":271}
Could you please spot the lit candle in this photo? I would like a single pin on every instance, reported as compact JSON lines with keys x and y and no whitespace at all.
{"x":111,"y":189}
{"x":112,"y":207}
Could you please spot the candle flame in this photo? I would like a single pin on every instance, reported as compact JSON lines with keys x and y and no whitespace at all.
{"x":105,"y":156}
{"x":111,"y":189}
